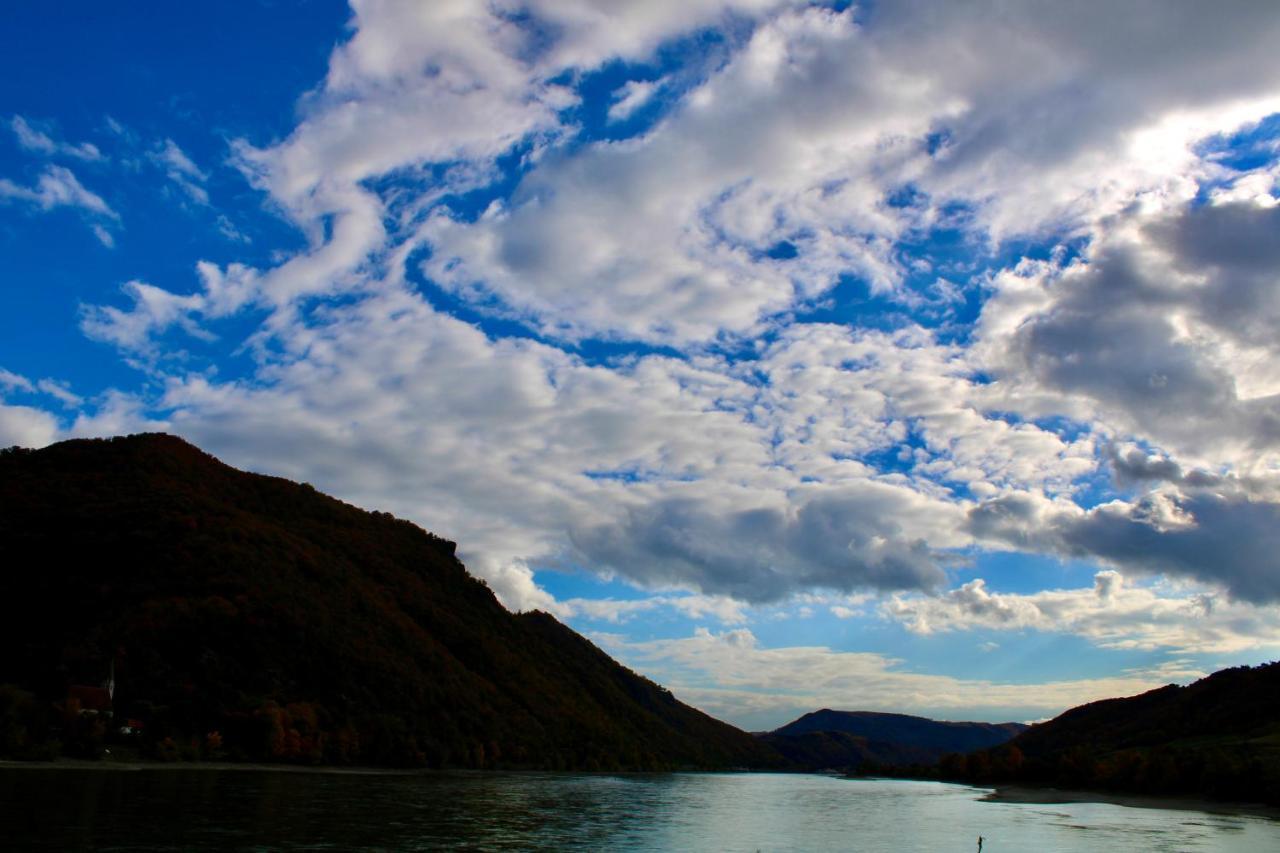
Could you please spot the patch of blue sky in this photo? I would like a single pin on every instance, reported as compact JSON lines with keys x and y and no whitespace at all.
{"x":203,"y":66}
{"x":1254,"y":147}
{"x":943,"y":268}
{"x":898,"y":457}
{"x":476,"y":194}
{"x":1249,"y":148}
{"x":1025,"y":573}
{"x":675,"y":68}
{"x":852,"y":302}
{"x":571,"y":582}
{"x":1214,"y":661}
{"x":1010,"y":657}
{"x":126,"y":78}
{"x":1097,"y":487}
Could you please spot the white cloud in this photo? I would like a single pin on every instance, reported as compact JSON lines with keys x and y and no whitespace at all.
{"x":57,"y":186}
{"x":38,"y":141}
{"x":725,"y":610}
{"x":632,"y":95}
{"x":11,"y":381}
{"x":731,"y":676}
{"x":1111,"y":614}
{"x":181,"y":170}
{"x":154,"y":310}
{"x":26,"y":427}
{"x":61,"y":392}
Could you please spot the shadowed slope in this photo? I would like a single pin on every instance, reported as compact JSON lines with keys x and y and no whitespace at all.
{"x":301,"y":628}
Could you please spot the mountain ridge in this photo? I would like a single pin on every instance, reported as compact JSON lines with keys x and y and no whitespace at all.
{"x":850,"y":739}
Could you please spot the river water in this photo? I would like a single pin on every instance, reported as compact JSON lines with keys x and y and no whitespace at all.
{"x":209,"y":809}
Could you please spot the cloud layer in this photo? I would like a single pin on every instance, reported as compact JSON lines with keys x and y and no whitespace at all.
{"x":855,"y":299}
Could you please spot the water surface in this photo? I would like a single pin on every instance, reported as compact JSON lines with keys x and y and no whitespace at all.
{"x":205,"y":809}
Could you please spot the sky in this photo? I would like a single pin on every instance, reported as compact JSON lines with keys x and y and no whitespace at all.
{"x":904,"y":356}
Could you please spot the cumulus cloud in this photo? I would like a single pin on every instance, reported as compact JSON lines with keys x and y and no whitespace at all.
{"x":1224,"y":539}
{"x":1163,"y":331}
{"x":759,"y":456}
{"x":830,"y":118}
{"x":26,"y":427}
{"x":843,"y":539}
{"x":1110,"y":613}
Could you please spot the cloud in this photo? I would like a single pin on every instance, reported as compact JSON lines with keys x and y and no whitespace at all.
{"x":632,"y":95}
{"x":759,"y":454}
{"x":725,"y":610}
{"x":665,"y":237}
{"x":154,"y":310}
{"x":527,"y":454}
{"x":26,"y":427}
{"x":1222,"y":538}
{"x":181,"y":170}
{"x":61,"y":392}
{"x":38,"y":141}
{"x":1111,"y":614}
{"x":731,"y":676}
{"x":57,"y":187}
{"x":1162,"y":331}
{"x":840,"y":539}
{"x":11,"y":381}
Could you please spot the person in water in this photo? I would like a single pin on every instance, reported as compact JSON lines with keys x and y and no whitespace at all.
{"x":979,"y":844}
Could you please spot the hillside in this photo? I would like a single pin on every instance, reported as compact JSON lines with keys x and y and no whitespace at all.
{"x":1218,"y":737}
{"x":826,"y":739}
{"x":251,"y":617}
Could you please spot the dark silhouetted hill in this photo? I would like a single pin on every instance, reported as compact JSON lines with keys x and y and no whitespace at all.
{"x":1218,"y":737}
{"x":252,"y":617}
{"x":853,"y":739}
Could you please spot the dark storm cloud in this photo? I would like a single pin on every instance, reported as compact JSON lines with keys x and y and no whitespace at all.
{"x":1229,"y":541}
{"x":842,"y":541}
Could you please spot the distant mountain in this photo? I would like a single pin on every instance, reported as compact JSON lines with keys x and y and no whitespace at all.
{"x":251,"y":617}
{"x":1218,"y":737}
{"x":831,"y":739}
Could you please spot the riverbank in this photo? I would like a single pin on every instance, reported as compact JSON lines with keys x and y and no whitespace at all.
{"x":1029,"y":795}
{"x":109,"y":763}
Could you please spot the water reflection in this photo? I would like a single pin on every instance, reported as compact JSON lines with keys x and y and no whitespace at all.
{"x":201,"y":809}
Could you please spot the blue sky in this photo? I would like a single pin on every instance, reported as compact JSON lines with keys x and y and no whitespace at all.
{"x":800,"y":354}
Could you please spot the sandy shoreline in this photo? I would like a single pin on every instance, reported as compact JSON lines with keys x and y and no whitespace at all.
{"x":1049,"y":796}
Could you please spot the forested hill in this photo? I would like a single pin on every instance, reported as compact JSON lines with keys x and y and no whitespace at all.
{"x":855,"y":739}
{"x":1218,"y":737}
{"x":251,"y":617}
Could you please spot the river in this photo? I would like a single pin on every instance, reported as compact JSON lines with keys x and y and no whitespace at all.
{"x":209,"y":809}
